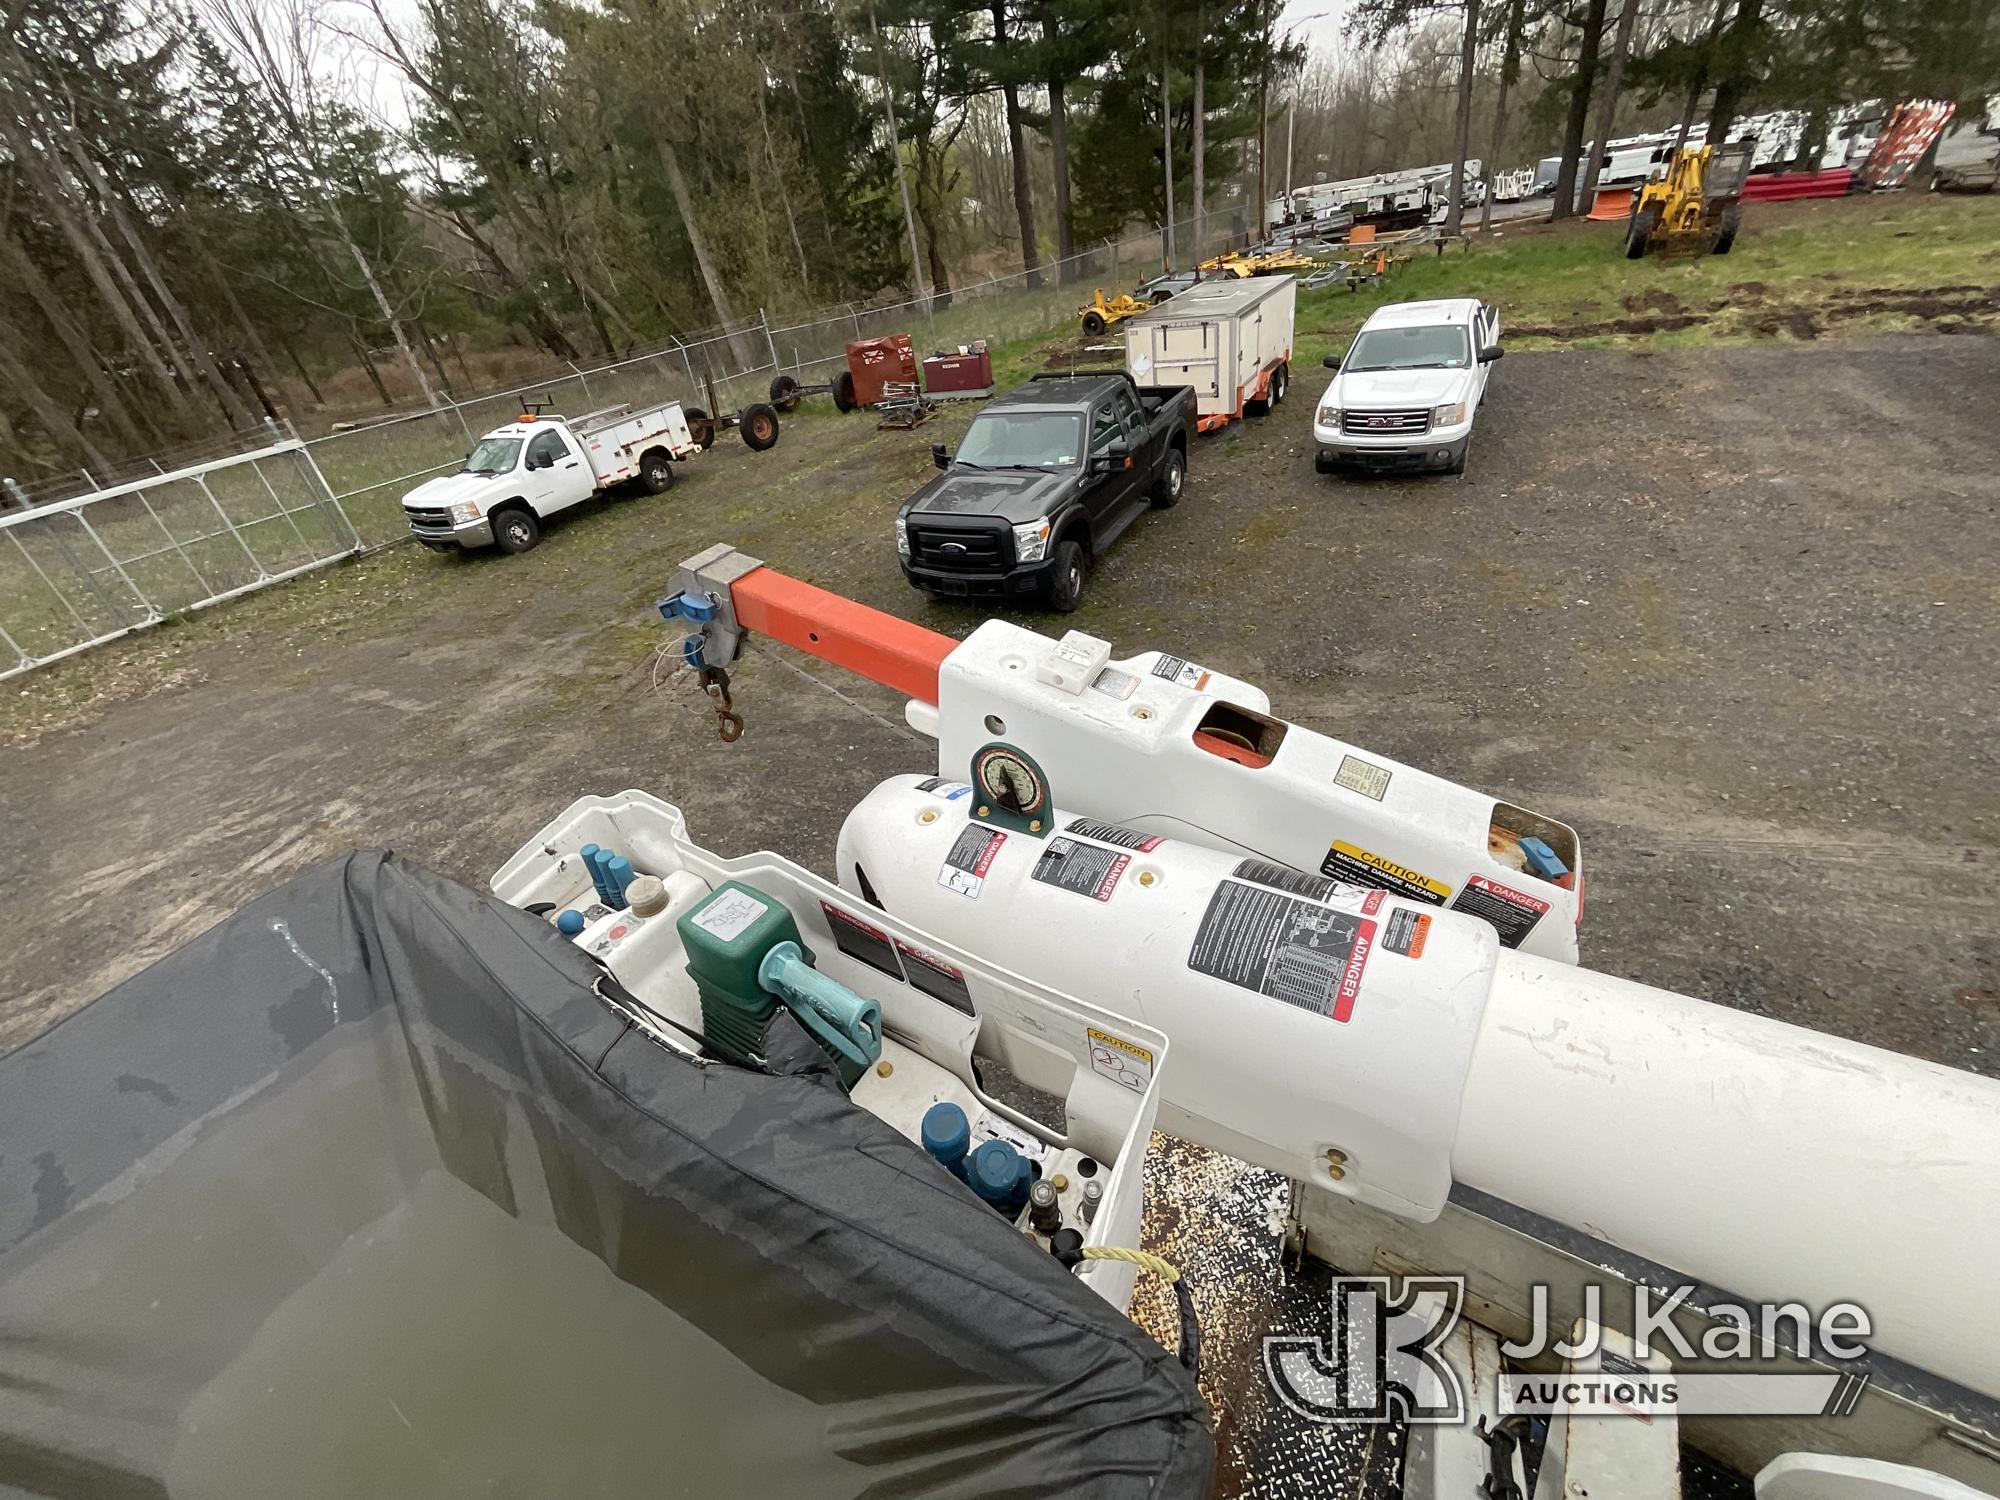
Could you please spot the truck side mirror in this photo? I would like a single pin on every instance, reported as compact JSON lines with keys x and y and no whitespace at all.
{"x":940,"y":455}
{"x":1332,"y":361}
{"x":1488,"y":355}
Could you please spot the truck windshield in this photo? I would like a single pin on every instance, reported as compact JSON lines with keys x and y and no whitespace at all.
{"x":493,"y":456}
{"x":1022,"y":440}
{"x":1441,"y":347}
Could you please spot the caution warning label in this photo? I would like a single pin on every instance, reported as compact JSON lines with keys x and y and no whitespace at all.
{"x":1300,"y":952}
{"x":1082,"y":868}
{"x":1513,"y":913}
{"x":1126,"y":1064}
{"x":1345,"y":861}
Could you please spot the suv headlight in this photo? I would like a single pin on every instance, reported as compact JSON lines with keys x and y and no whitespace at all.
{"x":1448,"y":416}
{"x":1329,"y":416}
{"x":463,"y":513}
{"x":1031,"y":542}
{"x":902,"y":536}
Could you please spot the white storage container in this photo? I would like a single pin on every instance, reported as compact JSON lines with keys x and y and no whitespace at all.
{"x":1227,"y":339}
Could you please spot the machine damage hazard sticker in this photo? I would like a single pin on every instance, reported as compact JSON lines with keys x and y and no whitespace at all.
{"x":970,"y":857}
{"x":1299,"y":952}
{"x":1125,"y":1063}
{"x":1179,"y":669}
{"x":936,"y":978}
{"x":1083,"y":868}
{"x":951,"y":791}
{"x":1362,"y":776}
{"x":1111,"y":833}
{"x":1406,"y":932}
{"x":1347,"y":861}
{"x":862,"y":940}
{"x":1513,"y":913}
{"x":1115,"y":684}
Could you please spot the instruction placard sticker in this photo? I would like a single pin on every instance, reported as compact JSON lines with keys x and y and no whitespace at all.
{"x":1115,"y":684}
{"x":1126,"y":1064}
{"x":1178,"y":669}
{"x":970,"y":857}
{"x":1406,"y":932}
{"x":936,"y":978}
{"x":862,"y":940}
{"x":1263,"y":872}
{"x":1345,"y":861}
{"x":1082,"y":868}
{"x":939,"y":786}
{"x":1362,"y":776}
{"x":728,"y":914}
{"x":1513,"y":913}
{"x":1300,"y":952}
{"x":1111,"y":833}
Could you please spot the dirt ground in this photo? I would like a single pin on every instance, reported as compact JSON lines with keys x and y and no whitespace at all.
{"x":1731,"y":613}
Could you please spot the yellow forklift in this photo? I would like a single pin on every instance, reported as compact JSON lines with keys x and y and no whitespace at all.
{"x":1696,"y":208}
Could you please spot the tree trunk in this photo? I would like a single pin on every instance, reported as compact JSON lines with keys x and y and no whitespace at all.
{"x":784,"y":194}
{"x":1462,"y":134}
{"x":1510,"y":69}
{"x":298,"y":364}
{"x":23,"y":270}
{"x":47,"y":410}
{"x":1059,"y":149}
{"x":1197,"y":148}
{"x":1579,"y":110}
{"x":1167,"y":147}
{"x":1701,"y":75}
{"x":368,"y":364}
{"x":670,"y":165}
{"x":1732,"y":85}
{"x":1024,"y":202}
{"x":382,"y":305}
{"x":1607,"y":102}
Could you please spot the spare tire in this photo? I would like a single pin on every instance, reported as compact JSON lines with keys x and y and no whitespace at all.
{"x":784,"y":392}
{"x":759,"y":426}
{"x":700,"y":427}
{"x":843,"y":391}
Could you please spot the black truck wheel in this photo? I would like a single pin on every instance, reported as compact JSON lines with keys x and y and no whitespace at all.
{"x":1639,"y":232}
{"x":1732,"y":220}
{"x":1093,"y":322}
{"x":1281,"y":381}
{"x":656,"y":471}
{"x":1173,"y":479}
{"x":784,"y":392}
{"x":759,"y":425}
{"x":843,"y":392}
{"x":515,"y":529}
{"x":701,"y":427}
{"x":1066,"y":582}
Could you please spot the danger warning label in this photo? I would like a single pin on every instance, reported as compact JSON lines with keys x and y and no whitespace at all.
{"x":1347,"y":861}
{"x":862,"y":940}
{"x":1082,"y":868}
{"x":1405,"y":932}
{"x":1178,"y":669}
{"x":936,"y":978}
{"x":1111,"y":833}
{"x":1513,"y":913}
{"x":970,"y":857}
{"x":1299,"y":952}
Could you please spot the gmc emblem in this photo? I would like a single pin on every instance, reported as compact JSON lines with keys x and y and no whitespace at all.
{"x":1380,"y":422}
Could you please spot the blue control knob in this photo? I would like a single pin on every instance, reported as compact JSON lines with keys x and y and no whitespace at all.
{"x":1000,"y":1175}
{"x":947,"y":1135}
{"x":569,"y":923}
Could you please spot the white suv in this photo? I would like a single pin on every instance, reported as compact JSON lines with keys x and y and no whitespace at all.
{"x":1408,"y":388}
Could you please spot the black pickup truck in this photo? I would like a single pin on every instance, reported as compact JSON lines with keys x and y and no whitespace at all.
{"x":1045,"y":479}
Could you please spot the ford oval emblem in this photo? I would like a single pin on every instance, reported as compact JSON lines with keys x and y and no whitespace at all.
{"x":956,"y":549}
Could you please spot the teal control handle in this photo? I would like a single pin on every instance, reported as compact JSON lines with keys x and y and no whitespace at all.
{"x":845,"y":1023}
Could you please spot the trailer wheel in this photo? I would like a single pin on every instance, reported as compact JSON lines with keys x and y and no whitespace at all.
{"x":1639,"y":230}
{"x":1093,"y":322}
{"x":784,"y":391}
{"x":656,"y":471}
{"x":1732,"y":220}
{"x":843,"y":392}
{"x":701,"y":427}
{"x":515,"y":529}
{"x":759,"y":425}
{"x":1281,"y":381}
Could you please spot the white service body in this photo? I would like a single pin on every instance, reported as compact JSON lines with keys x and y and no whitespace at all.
{"x":1221,"y":337}
{"x":1778,"y":1163}
{"x":1104,"y":1068}
{"x":547,"y":464}
{"x":1118,"y":740}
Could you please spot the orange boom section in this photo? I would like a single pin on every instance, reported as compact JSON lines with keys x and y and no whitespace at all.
{"x":878,"y":646}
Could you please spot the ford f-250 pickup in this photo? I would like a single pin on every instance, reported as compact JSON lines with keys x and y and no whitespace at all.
{"x":1044,"y":480}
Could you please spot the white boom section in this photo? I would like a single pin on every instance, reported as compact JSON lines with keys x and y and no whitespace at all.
{"x":1147,"y":741}
{"x":1771,"y":1161}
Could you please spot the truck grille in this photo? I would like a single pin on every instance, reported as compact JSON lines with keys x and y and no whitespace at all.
{"x":1372,"y":423}
{"x":430,"y":516}
{"x":962,"y":549}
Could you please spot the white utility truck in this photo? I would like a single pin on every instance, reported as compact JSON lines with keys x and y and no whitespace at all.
{"x":1231,"y":340}
{"x":519,"y":475}
{"x":1408,"y":388}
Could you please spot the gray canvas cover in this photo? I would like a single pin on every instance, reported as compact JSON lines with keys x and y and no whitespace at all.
{"x":367,"y":1192}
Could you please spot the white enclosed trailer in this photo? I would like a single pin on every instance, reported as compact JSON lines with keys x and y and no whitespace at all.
{"x":1230,"y":340}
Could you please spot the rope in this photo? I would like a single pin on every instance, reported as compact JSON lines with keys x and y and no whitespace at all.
{"x":1145,"y":1260}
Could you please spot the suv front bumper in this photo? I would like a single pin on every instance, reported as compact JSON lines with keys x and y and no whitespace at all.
{"x":1016,"y":582}
{"x":1438,"y":449}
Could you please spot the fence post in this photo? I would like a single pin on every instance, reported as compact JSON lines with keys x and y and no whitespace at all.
{"x":769,"y":342}
{"x":579,"y":379}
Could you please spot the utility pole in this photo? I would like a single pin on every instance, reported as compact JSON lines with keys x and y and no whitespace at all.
{"x":896,"y":150}
{"x":1167,"y":136}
